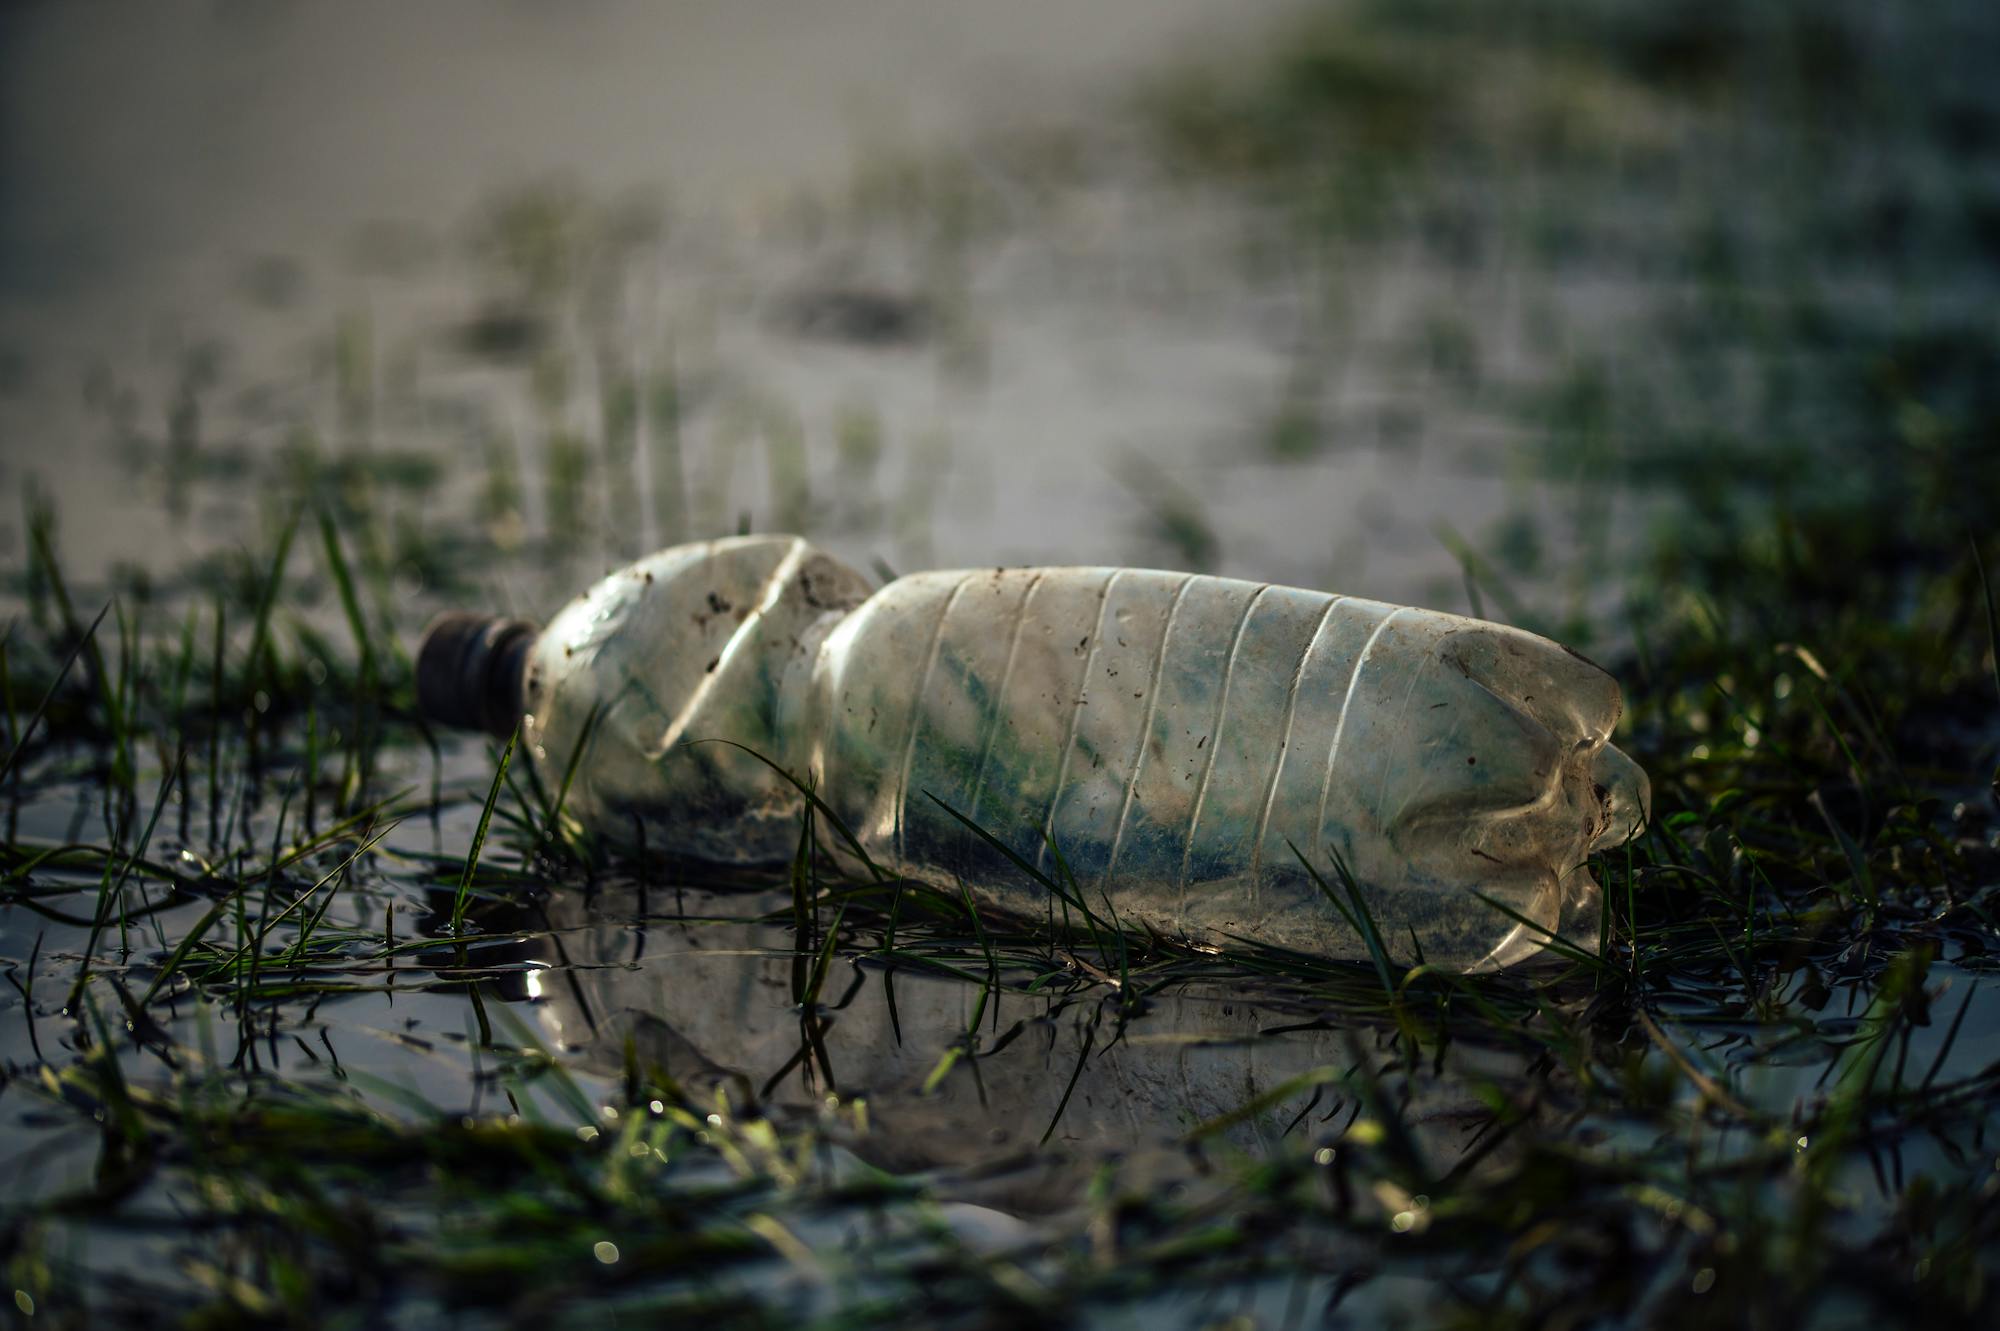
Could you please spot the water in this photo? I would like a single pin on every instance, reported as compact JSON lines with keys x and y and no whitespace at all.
{"x":940,"y":331}
{"x":1007,"y":1082}
{"x":960,"y":1079}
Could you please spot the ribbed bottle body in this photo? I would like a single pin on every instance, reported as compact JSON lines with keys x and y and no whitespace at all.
{"x":1163,"y":742}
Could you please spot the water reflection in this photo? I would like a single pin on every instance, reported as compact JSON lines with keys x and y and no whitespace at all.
{"x":1048,"y":1084}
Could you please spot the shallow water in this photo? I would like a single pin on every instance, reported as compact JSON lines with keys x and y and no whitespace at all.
{"x":960,"y":1077}
{"x":1006,"y":1088}
{"x":985,"y":335}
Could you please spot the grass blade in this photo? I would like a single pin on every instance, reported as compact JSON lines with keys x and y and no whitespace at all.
{"x":479,"y":837}
{"x":27,"y":731}
{"x":1358,"y":916}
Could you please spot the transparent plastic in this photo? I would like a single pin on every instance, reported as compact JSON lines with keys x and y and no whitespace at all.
{"x":1173,"y":736}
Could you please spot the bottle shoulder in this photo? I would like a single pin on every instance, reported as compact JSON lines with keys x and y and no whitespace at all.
{"x":680,"y":610}
{"x":693,"y":645}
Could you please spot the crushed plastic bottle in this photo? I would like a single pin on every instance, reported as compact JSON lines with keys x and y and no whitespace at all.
{"x":1173,"y":736}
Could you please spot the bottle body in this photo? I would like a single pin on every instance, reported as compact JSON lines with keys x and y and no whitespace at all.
{"x":1162,"y":740}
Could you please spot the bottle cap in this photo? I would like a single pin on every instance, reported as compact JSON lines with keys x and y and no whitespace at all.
{"x":469,"y":670}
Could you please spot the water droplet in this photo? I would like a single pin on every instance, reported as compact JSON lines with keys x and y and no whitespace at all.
{"x":605,"y":1251}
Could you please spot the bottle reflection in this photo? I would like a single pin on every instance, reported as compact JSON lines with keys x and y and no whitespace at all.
{"x":960,"y":1076}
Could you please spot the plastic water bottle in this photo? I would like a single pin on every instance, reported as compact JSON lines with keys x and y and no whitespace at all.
{"x":1164,"y":739}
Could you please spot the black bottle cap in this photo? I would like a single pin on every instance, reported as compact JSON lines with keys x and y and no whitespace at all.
{"x":469,"y":671}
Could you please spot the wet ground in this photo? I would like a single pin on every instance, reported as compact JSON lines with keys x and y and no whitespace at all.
{"x":1002,"y":1077}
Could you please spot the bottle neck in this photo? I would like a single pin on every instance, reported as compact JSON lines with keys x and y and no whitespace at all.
{"x":469,"y":671}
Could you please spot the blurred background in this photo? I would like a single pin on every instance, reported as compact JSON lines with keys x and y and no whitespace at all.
{"x":1432,"y":300}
